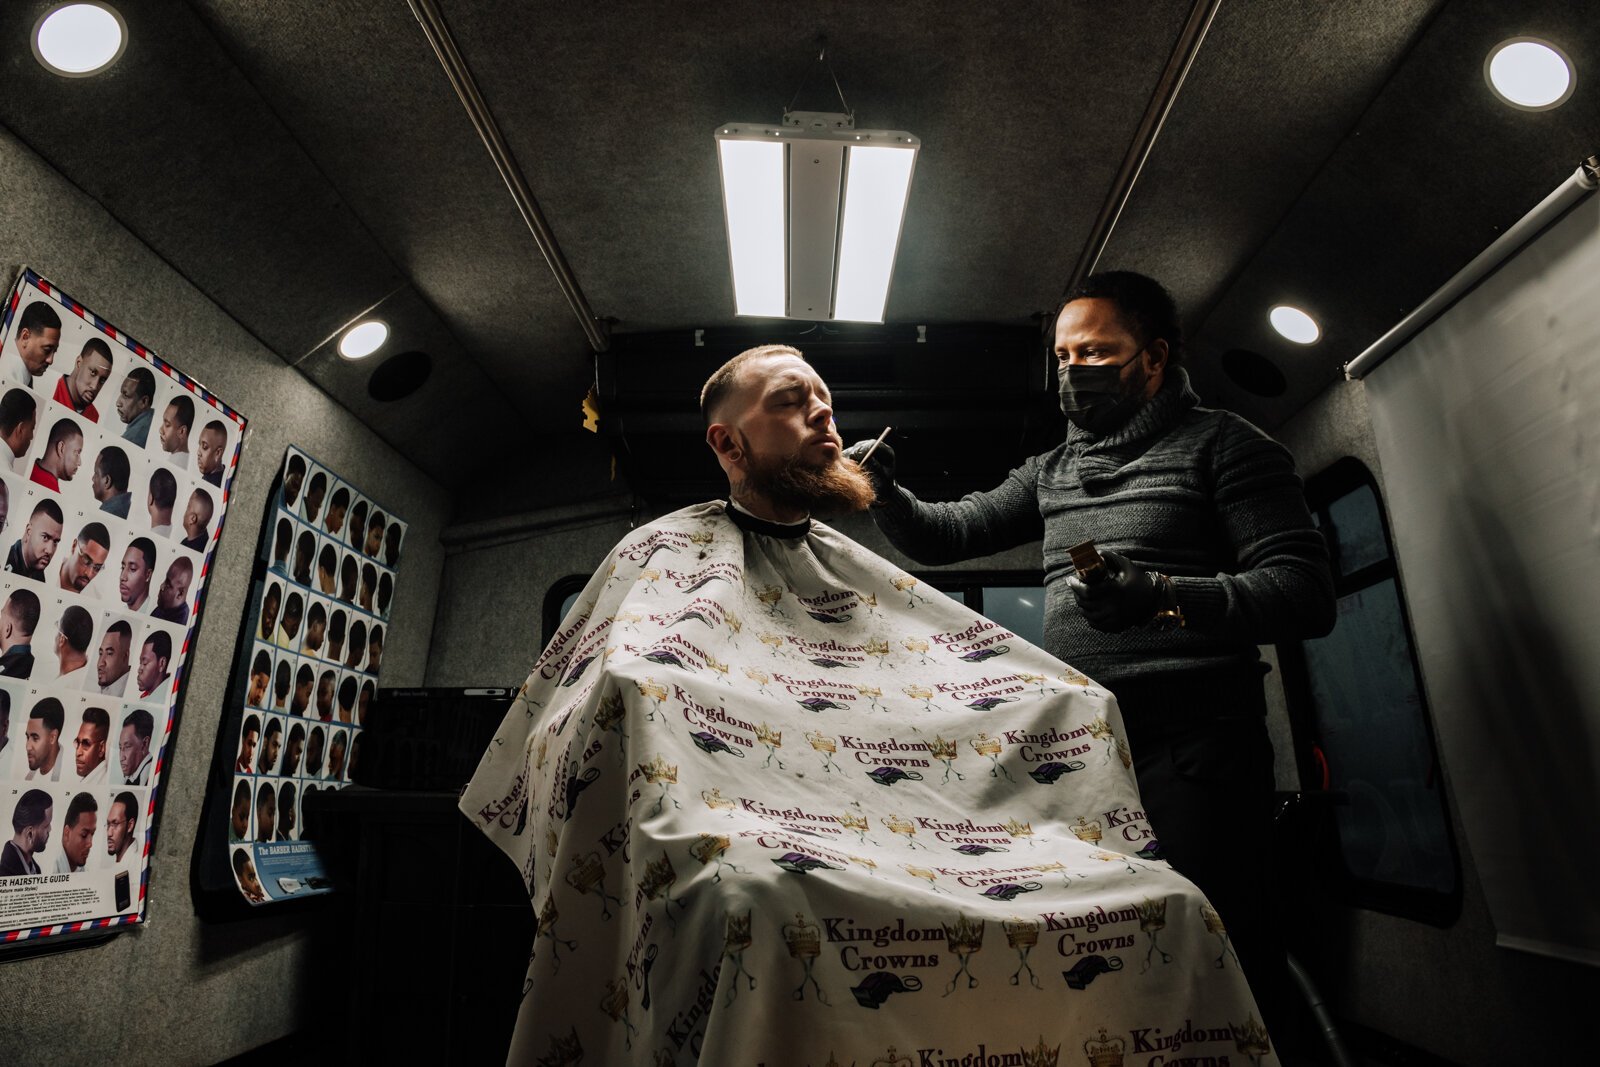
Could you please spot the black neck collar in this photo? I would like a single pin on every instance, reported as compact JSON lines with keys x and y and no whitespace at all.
{"x":750,"y":524}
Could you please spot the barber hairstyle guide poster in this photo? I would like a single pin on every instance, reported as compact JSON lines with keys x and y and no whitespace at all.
{"x":310,"y":652}
{"x":115,"y":471}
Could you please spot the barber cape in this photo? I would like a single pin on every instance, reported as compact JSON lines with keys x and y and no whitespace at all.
{"x":775,"y":801}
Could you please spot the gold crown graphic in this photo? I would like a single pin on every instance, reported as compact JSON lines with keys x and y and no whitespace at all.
{"x":891,"y":1060}
{"x":1041,"y":1055}
{"x":915,"y":644}
{"x":702,"y":537}
{"x":709,"y":847}
{"x":1213,"y":920}
{"x":821,"y":741}
{"x":563,"y":1050}
{"x":551,"y":842}
{"x":1021,"y":933}
{"x":652,"y":689}
{"x":876,"y":648}
{"x":735,"y":623}
{"x":917,"y":692}
{"x":775,"y":640}
{"x":1099,"y":729}
{"x":1123,"y":754}
{"x":920,"y":872}
{"x":865,"y":861}
{"x":1075,"y":677}
{"x":759,"y":677}
{"x":942,"y":749}
{"x":768,"y":736}
{"x":1152,"y":914}
{"x":899,"y":824}
{"x":1048,"y":868}
{"x":1086,"y":830}
{"x":984,"y":745}
{"x":1019,"y":829}
{"x":715,"y":799}
{"x":737,"y":935}
{"x":586,"y":872}
{"x":803,"y":938}
{"x":1251,"y":1039}
{"x":659,"y":770}
{"x":770,"y":594}
{"x":854,"y":821}
{"x":868,"y":691}
{"x":965,"y":936}
{"x":548,"y":913}
{"x":610,"y":712}
{"x":716,"y":664}
{"x":1105,"y":1051}
{"x":614,"y":1001}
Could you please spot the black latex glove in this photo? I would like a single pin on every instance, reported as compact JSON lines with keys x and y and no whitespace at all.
{"x":1126,"y":596}
{"x":880,"y":468}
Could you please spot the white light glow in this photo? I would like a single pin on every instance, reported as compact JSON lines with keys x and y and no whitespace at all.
{"x":1529,"y":74}
{"x":752,"y":195}
{"x":877,"y":182}
{"x":363,"y":339}
{"x":79,"y":39}
{"x":1295,"y":324}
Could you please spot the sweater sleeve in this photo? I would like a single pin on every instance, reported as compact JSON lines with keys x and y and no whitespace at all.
{"x":1281,"y":586}
{"x":976,"y":525}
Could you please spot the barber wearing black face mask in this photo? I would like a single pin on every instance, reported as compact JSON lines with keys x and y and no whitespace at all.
{"x":1209,"y":551}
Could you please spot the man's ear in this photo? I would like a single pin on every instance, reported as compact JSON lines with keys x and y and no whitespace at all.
{"x":722,"y":441}
{"x":1158,"y":352}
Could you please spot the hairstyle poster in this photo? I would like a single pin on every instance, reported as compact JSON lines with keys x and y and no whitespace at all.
{"x":309,"y":657}
{"x":115,"y":470}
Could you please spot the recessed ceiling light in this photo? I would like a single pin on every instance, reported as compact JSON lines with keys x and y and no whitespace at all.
{"x":1295,"y":324}
{"x":363,"y":339}
{"x":77,"y":40}
{"x":1530,"y":74}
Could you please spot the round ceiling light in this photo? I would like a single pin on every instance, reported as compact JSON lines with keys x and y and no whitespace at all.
{"x":1295,"y":324}
{"x":1530,"y":74}
{"x":363,"y":339}
{"x":77,"y":40}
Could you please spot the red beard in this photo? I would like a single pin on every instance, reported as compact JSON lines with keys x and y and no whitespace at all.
{"x":834,"y":488}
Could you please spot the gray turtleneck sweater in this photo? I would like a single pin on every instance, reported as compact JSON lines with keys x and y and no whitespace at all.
{"x":1195,"y":493}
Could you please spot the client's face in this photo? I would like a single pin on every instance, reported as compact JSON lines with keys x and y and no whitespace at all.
{"x":792,"y":448}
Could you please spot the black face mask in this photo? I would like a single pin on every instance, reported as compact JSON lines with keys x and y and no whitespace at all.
{"x":1094,"y":398}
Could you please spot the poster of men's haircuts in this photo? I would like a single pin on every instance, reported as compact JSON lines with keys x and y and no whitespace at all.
{"x":311,"y":657}
{"x":115,"y":470}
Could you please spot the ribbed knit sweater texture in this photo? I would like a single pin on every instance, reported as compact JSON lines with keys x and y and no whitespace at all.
{"x":1196,"y":493}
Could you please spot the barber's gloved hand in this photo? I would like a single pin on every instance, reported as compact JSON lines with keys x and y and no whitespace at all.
{"x":1126,"y":596}
{"x":880,"y":468}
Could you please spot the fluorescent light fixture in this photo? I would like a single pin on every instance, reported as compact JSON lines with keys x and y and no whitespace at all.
{"x":1530,"y":74}
{"x":77,"y":40}
{"x":814,"y":211}
{"x":1295,"y":324}
{"x":363,"y":339}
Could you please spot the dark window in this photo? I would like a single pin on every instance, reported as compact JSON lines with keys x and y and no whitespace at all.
{"x":1014,"y":599}
{"x":1361,"y":719}
{"x":558,"y":600}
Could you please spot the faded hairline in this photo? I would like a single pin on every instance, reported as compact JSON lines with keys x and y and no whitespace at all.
{"x":726,"y":379}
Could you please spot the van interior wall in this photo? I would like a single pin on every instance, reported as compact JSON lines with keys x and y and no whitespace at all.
{"x":1451,"y":992}
{"x":176,"y":990}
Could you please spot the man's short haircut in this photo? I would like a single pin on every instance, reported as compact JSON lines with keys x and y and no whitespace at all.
{"x":725,"y":379}
{"x":338,"y":742}
{"x":182,"y":411}
{"x":283,"y":679}
{"x":266,"y":796}
{"x":336,"y":625}
{"x":30,"y":810}
{"x":205,"y":498}
{"x":358,"y":633}
{"x":348,"y":573}
{"x":274,"y":593}
{"x":50,"y":712}
{"x":306,"y":542}
{"x":375,"y":636}
{"x":297,"y":465}
{"x":49,"y":509}
{"x":160,"y":642}
{"x":319,"y":483}
{"x":147,"y":549}
{"x":241,"y":857}
{"x":385,"y":591}
{"x":113,"y":463}
{"x":317,"y":614}
{"x":38,"y":316}
{"x":96,"y":347}
{"x":1146,"y":308}
{"x":16,"y":408}
{"x":252,"y":725}
{"x":215,"y":426}
{"x":297,"y":732}
{"x":341,"y":498}
{"x":144,"y":383}
{"x":23,"y":605}
{"x":77,"y":626}
{"x":327,"y":559}
{"x":347,"y":692}
{"x":143,"y":723}
{"x":286,"y":796}
{"x":295,"y":607}
{"x":305,"y":675}
{"x":130,"y":807}
{"x":95,"y":532}
{"x":121,"y":629}
{"x":376,"y":522}
{"x":98,"y":718}
{"x":163,"y":488}
{"x":369,"y":576}
{"x":262,"y":664}
{"x":241,"y":793}
{"x":81,"y":803}
{"x":282,"y":539}
{"x":63,"y":430}
{"x":274,"y":727}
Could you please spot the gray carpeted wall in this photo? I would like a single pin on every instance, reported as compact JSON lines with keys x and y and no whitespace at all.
{"x":176,"y":991}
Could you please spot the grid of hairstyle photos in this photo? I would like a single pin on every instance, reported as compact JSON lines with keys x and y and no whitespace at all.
{"x":316,"y":651}
{"x":114,"y":473}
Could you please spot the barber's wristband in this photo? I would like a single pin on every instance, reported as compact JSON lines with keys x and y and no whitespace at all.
{"x":1168,"y":616}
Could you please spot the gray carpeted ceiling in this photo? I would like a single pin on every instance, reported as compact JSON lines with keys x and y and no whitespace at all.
{"x":302,"y":162}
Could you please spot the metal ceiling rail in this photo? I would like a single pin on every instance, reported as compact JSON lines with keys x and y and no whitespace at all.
{"x":1144,"y":138}
{"x":455,"y":68}
{"x":1580,"y":184}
